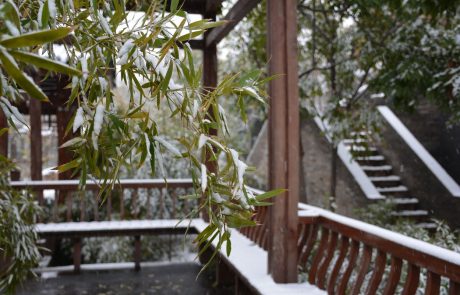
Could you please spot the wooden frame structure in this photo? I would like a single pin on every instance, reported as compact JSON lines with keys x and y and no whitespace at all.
{"x":284,"y":121}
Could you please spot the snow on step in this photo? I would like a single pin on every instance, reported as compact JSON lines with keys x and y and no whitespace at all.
{"x":376,"y":168}
{"x":409,"y":213}
{"x":251,"y":262}
{"x":371,"y":158}
{"x":385,"y":178}
{"x":354,"y":141}
{"x":404,"y":201}
{"x":109,"y":225}
{"x":427,"y":225}
{"x":392,"y":189}
{"x":357,"y":148}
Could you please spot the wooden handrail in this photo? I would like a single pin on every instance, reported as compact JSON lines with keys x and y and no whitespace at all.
{"x":93,"y":208}
{"x":320,"y":225}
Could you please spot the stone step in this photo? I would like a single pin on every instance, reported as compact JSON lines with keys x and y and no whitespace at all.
{"x":385,"y":181}
{"x":362,"y":151}
{"x":377,"y":160}
{"x":382,"y":170}
{"x":430,"y":226}
{"x":394,"y":191}
{"x":403,"y":204}
{"x":417,"y":216}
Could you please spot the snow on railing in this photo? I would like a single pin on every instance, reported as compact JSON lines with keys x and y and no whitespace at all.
{"x":449,"y":183}
{"x":369,"y":251}
{"x":366,"y":185}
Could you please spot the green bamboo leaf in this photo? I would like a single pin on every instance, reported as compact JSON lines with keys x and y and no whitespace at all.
{"x":270,"y":194}
{"x":36,"y":38}
{"x":45,"y":63}
{"x":11,"y":67}
{"x":174,"y":4}
{"x":68,"y":166}
{"x":3,"y":131}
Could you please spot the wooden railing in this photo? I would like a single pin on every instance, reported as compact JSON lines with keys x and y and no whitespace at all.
{"x":346,"y":256}
{"x":130,"y":199}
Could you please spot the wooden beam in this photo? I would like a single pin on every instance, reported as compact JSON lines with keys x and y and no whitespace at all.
{"x":284,"y":139}
{"x":4,"y":137}
{"x":35,"y":113}
{"x":210,"y":78}
{"x":234,"y":16}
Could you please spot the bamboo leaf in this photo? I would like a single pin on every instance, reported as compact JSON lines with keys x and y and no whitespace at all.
{"x":270,"y":194}
{"x":11,"y":67}
{"x":45,"y":63}
{"x":36,"y":38}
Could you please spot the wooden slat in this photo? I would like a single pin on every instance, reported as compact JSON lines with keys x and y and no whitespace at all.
{"x":309,"y":246}
{"x":433,"y":284}
{"x":122,"y":205}
{"x":321,"y":282}
{"x":379,"y":268}
{"x":96,"y":206}
{"x":304,"y":232}
{"x":149,"y":205}
{"x":343,"y":249}
{"x":162,"y":204}
{"x":109,"y":206}
{"x":137,"y":253}
{"x":395,"y":275}
{"x":320,"y":253}
{"x":82,"y":198}
{"x":364,"y":266}
{"x":350,"y":267}
{"x":454,"y":288}
{"x":432,"y":263}
{"x":413,"y":277}
{"x":76,"y":255}
{"x":69,"y":201}
{"x":234,"y":16}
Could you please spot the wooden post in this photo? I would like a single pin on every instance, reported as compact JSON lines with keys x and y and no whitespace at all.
{"x":76,"y":255}
{"x":4,"y":137}
{"x":137,"y":253}
{"x":209,"y":83}
{"x":35,"y":113}
{"x":283,"y":139}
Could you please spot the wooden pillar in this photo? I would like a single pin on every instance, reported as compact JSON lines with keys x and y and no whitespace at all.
{"x":76,"y":255}
{"x":35,"y":114}
{"x":284,"y":139}
{"x":209,"y":83}
{"x":137,"y":253}
{"x":4,"y":137}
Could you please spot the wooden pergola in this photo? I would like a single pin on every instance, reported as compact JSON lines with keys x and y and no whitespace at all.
{"x":283,"y":118}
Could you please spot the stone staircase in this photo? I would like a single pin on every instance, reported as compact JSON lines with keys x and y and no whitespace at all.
{"x":387,"y":182}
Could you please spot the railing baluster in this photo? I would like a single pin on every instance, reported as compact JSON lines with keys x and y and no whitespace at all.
{"x":122,"y":205}
{"x":96,"y":205}
{"x":433,"y":284}
{"x":82,"y":206}
{"x":259,"y":232}
{"x":365,"y":262}
{"x":174,"y":197}
{"x":134,"y":204}
{"x":379,"y":269}
{"x":109,"y":206}
{"x":454,"y":288}
{"x":304,"y":232}
{"x":395,"y":275}
{"x":351,"y":265}
{"x":149,"y":205}
{"x":303,"y":257}
{"x":325,"y":264}
{"x":413,"y":277}
{"x":55,"y":217}
{"x":161,"y":208}
{"x":318,"y":256}
{"x":344,"y":244}
{"x":68,"y":200}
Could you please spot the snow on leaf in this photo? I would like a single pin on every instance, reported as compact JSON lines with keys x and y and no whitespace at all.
{"x":204,"y":178}
{"x":168,"y":146}
{"x":78,"y":121}
{"x":202,"y":141}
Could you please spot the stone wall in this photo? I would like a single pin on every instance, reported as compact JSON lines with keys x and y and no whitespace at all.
{"x":316,"y":162}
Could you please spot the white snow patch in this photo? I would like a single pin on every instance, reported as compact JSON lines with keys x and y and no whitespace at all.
{"x":204,"y":178}
{"x":168,"y":146}
{"x":78,"y":121}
